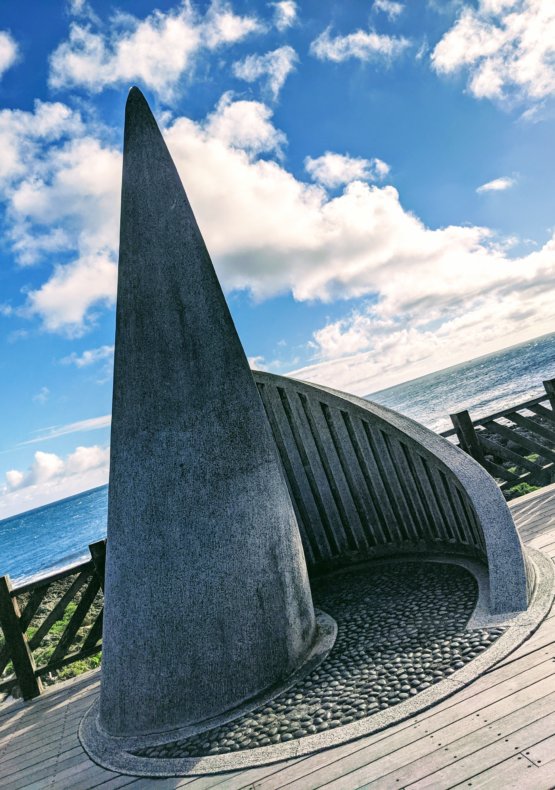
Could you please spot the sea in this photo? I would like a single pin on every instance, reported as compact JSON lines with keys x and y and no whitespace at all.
{"x":56,"y":536}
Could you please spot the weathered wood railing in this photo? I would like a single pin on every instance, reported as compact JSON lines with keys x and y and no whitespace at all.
{"x":30,"y":616}
{"x":515,"y":445}
{"x":364,"y":481}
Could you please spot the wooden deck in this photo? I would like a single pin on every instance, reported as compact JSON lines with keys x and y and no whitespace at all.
{"x":499,"y":732}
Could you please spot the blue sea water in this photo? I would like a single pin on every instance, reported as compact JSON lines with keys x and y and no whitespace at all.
{"x":58,"y":534}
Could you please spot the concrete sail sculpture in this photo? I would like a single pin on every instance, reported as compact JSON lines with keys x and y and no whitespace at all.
{"x":207,"y":600}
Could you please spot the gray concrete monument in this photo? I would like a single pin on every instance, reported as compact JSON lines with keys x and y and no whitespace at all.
{"x":207,"y":600}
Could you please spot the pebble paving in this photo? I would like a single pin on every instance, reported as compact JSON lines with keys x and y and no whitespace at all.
{"x":401,"y":628}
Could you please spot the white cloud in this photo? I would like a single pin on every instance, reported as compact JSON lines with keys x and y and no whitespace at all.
{"x":42,"y":395}
{"x":389,"y":7}
{"x":362,"y":45}
{"x":271,"y":233}
{"x":506,"y":46}
{"x":63,"y":301}
{"x":91,"y":424}
{"x":8,"y":51}
{"x":273,"y":67}
{"x":497,"y":185}
{"x":157,"y":51}
{"x":285,"y":14}
{"x":333,"y":170}
{"x":50,"y":478}
{"x":244,"y":125}
{"x":89,"y":357}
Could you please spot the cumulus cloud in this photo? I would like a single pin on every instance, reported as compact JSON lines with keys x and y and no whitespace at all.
{"x":333,"y":170}
{"x":497,"y":185}
{"x":285,"y":14}
{"x":507,"y":47}
{"x":8,"y":51}
{"x":156,"y":51}
{"x":244,"y":126}
{"x":51,"y":477}
{"x":89,"y":357}
{"x":270,"y":233}
{"x":389,"y":7}
{"x":361,"y":45}
{"x":272,"y":67}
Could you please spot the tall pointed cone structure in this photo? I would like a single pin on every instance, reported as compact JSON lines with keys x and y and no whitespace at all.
{"x":207,"y":600}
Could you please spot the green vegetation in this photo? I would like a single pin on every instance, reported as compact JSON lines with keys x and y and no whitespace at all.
{"x":521,"y":488}
{"x":44,"y":652}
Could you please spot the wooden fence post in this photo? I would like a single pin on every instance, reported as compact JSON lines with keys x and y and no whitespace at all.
{"x":466,"y":434}
{"x":549,"y":387}
{"x":98,"y":554}
{"x":20,"y":654}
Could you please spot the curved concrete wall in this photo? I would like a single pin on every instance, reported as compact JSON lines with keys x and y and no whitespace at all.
{"x":368,"y":482}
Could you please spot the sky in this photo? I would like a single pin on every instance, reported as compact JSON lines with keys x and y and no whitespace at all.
{"x":374,"y":180}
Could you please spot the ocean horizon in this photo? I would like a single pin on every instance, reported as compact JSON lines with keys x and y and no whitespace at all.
{"x":57,"y":535}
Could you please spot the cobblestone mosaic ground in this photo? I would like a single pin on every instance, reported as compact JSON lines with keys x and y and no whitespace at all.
{"x":401,"y":628}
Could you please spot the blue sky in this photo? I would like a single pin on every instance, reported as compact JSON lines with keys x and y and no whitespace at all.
{"x":374,"y":181}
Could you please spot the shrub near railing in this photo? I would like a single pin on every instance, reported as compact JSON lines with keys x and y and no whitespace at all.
{"x":52,"y":626}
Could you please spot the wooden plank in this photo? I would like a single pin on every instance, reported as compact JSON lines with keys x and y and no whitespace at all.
{"x":372,"y":525}
{"x":466,"y":433}
{"x":21,"y":656}
{"x":495,"y":448}
{"x":516,"y":773}
{"x":532,"y":426}
{"x":480,"y":759}
{"x":543,"y":752}
{"x":374,"y":760}
{"x":372,"y":476}
{"x":543,"y":411}
{"x":438,"y":750}
{"x":98,"y":555}
{"x":523,"y":441}
{"x":95,"y":633}
{"x":35,"y":600}
{"x":54,"y":577}
{"x":295,"y":462}
{"x":75,"y":622}
{"x":405,"y":526}
{"x":319,"y":421}
{"x":58,"y":610}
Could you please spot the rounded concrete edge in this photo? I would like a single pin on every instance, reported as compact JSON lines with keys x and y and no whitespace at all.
{"x":520,"y":626}
{"x":101,"y":746}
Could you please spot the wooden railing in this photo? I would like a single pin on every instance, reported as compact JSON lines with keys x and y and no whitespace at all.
{"x":365,"y":482}
{"x":516,"y":445}
{"x":50,"y":623}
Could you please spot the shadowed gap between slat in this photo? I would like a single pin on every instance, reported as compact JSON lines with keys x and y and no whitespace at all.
{"x":458,"y":529}
{"x":383,"y":491}
{"x":351,"y":470}
{"x":324,"y":520}
{"x":391,"y":481}
{"x":415,"y":463}
{"x":310,"y":543}
{"x":407,"y":483}
{"x":473,"y":526}
{"x":436,"y":485}
{"x":380,"y":530}
{"x":458,"y":512}
{"x":336,"y":481}
{"x":327,"y":485}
